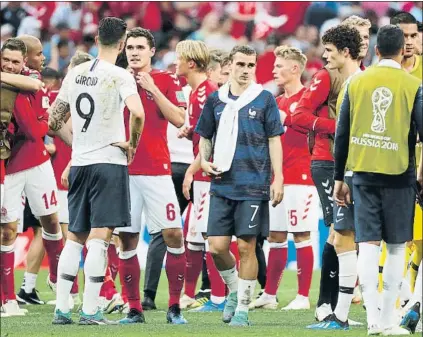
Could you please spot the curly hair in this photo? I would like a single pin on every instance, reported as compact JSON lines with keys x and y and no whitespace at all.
{"x":342,"y":37}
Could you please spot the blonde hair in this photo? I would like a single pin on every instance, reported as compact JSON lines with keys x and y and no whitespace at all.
{"x":356,"y":21}
{"x":79,"y":58}
{"x":195,"y":51}
{"x":291,"y":53}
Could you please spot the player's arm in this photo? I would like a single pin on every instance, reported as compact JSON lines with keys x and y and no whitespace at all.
{"x":27,"y":119}
{"x":189,"y":176}
{"x":22,"y":82}
{"x":314,"y":97}
{"x":58,"y":113}
{"x":173,"y":113}
{"x":136,"y":119}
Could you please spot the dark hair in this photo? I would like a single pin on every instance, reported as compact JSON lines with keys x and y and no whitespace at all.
{"x":246,"y":50}
{"x":343,"y":36}
{"x":111,"y":30}
{"x":15,"y":44}
{"x":62,"y":43}
{"x":122,"y":61}
{"x":48,"y":72}
{"x":403,"y":17}
{"x":420,"y":27}
{"x":142,"y":32}
{"x":390,"y":40}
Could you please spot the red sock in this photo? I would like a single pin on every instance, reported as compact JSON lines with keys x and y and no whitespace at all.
{"x":7,"y":273}
{"x":130,"y":274}
{"x":305,"y":261}
{"x":192,"y":270}
{"x":234,"y":250}
{"x":278,"y":255}
{"x":218,"y":287}
{"x":108,"y":288}
{"x":175,"y":267}
{"x":53,"y":244}
{"x":113,"y":260}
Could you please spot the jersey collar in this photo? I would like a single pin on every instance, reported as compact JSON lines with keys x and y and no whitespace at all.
{"x":389,"y":63}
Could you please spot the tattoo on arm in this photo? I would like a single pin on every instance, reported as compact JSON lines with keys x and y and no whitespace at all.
{"x":206,"y":149}
{"x":57,"y":113}
{"x":137,"y":125}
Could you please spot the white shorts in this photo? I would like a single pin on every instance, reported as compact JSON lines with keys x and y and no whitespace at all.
{"x":40,"y":188}
{"x":156,"y":197}
{"x":200,"y":214}
{"x":21,"y":219}
{"x":64,"y":210}
{"x":1,"y":194}
{"x":298,"y":212}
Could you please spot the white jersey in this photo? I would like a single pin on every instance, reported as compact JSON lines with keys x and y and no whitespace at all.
{"x":96,"y":92}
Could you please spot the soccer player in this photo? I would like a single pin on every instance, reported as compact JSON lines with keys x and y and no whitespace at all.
{"x":316,"y":113}
{"x":150,"y":180}
{"x":298,"y":213}
{"x":343,"y":48}
{"x":193,"y":60}
{"x":246,"y":122}
{"x":29,"y":170}
{"x":95,"y":93}
{"x":374,"y":134}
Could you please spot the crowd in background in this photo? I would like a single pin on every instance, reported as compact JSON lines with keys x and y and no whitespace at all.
{"x":64,"y":27}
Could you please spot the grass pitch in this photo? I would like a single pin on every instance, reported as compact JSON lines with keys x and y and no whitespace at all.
{"x":265,"y":323}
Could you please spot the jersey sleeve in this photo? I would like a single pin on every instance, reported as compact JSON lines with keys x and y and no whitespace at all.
{"x":174,"y":91}
{"x":206,"y":126}
{"x":26,"y":117}
{"x":314,"y":97}
{"x":272,"y":124}
{"x":128,"y":86}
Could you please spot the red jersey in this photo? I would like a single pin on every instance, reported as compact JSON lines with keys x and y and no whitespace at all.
{"x":63,"y":153}
{"x":2,"y":171}
{"x":152,"y":157}
{"x":197,"y":99}
{"x":312,"y":114}
{"x":296,"y":156}
{"x":29,"y":126}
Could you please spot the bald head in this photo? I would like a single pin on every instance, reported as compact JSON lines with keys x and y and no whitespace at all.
{"x":34,"y":51}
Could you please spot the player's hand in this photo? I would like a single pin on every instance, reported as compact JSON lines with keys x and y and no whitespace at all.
{"x":185,"y":132}
{"x":64,"y":178}
{"x":276,"y":192}
{"x":342,"y":194}
{"x":186,"y":185}
{"x":145,"y":81}
{"x":210,"y":169}
{"x":127,"y":149}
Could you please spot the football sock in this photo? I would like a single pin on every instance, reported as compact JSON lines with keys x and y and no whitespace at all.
{"x":329,"y":276}
{"x":130,"y":274}
{"x":218,"y":287}
{"x":7,"y":271}
{"x":278,"y":255}
{"x":246,"y":290}
{"x":53,"y":244}
{"x":230,"y":277}
{"x":175,"y":269}
{"x":194,"y":264}
{"x":305,"y":263}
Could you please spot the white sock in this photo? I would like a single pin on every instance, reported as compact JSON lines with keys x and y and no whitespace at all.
{"x":368,"y":271}
{"x":30,"y":280}
{"x":417,"y":295}
{"x":392,"y":276}
{"x":347,"y":281}
{"x":67,"y":270}
{"x":245,"y":292}
{"x":217,"y":299}
{"x":94,"y":269}
{"x":230,"y":277}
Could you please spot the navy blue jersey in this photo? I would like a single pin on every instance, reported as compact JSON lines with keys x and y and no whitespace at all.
{"x":250,"y":174}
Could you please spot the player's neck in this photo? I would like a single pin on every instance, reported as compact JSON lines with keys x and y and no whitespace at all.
{"x":237,"y":89}
{"x":293,"y":87}
{"x":408,"y":63}
{"x":145,"y":69}
{"x":195,"y":79}
{"x":108,"y":55}
{"x":349,"y":68}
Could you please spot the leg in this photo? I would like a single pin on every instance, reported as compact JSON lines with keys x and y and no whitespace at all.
{"x":155,"y":256}
{"x":305,"y":262}
{"x":261,"y":276}
{"x":7,"y":260}
{"x":278,"y":256}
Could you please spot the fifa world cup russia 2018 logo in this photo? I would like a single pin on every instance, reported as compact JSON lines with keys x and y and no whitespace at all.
{"x":381,"y":100}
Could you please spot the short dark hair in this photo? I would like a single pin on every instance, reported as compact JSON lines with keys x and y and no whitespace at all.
{"x":246,"y":50}
{"x":50,"y":73}
{"x":15,"y":44}
{"x":111,"y":30}
{"x":420,"y":27}
{"x":142,"y":32}
{"x":403,"y":17}
{"x":343,"y":36}
{"x":62,"y":43}
{"x":390,"y":40}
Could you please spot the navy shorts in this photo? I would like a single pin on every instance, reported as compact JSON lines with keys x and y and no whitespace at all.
{"x":98,"y":197}
{"x":344,"y":216}
{"x":322,"y":174}
{"x":383,"y":213}
{"x":238,"y":217}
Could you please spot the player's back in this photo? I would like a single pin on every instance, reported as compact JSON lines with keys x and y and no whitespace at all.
{"x":96,"y":92}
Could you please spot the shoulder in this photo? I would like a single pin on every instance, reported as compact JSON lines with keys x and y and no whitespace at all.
{"x":208,"y":86}
{"x":31,"y":73}
{"x":164,"y":76}
{"x":322,"y":74}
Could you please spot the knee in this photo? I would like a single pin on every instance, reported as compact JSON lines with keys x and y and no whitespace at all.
{"x":343,"y":241}
{"x":217,"y":248}
{"x":8,"y":234}
{"x":277,"y":237}
{"x":173,"y":237}
{"x":246,"y":248}
{"x":301,"y":237}
{"x":51,"y":223}
{"x":129,"y":241}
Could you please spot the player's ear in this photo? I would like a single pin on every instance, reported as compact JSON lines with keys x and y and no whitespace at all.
{"x":96,"y":40}
{"x":153,"y":51}
{"x":377,"y":52}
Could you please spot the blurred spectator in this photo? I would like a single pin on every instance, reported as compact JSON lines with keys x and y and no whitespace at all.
{"x":294,"y":11}
{"x":222,"y":38}
{"x":13,"y":14}
{"x":41,"y":10}
{"x":319,"y":12}
{"x":264,"y":67}
{"x":69,"y":13}
{"x":209,"y":25}
{"x":6,"y":32}
{"x":30,"y":26}
{"x":51,"y":79}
